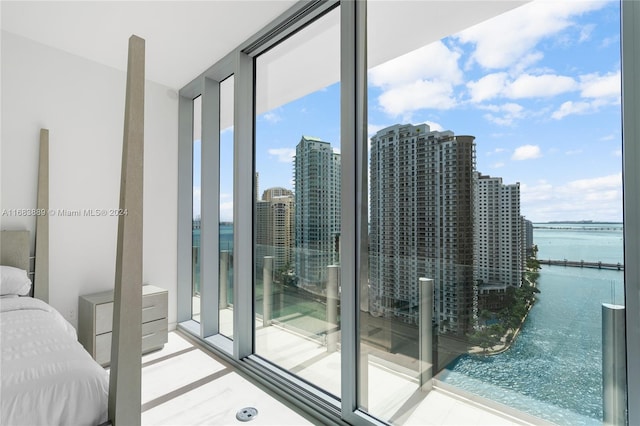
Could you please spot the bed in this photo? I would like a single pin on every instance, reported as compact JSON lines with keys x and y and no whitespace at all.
{"x":47,"y":376}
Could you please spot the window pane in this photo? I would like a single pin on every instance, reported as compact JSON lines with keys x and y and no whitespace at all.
{"x":495,"y":208}
{"x":297,"y":220}
{"x":195,"y":234}
{"x":226,"y":207}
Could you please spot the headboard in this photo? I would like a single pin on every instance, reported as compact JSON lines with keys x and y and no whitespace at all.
{"x":15,"y":249}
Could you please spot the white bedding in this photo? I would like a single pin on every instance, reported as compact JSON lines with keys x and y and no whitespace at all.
{"x":47,"y":377}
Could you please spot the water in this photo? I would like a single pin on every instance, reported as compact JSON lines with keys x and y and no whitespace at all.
{"x":554,"y":368}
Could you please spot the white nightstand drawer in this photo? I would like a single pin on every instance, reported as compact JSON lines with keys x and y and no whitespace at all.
{"x":154,"y":306}
{"x":104,"y":318}
{"x":154,"y":335}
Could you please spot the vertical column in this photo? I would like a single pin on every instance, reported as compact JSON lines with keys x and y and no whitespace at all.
{"x":425,"y":329}
{"x":41,"y":287}
{"x":125,"y":380}
{"x":210,"y":213}
{"x":333,"y":272}
{"x":224,"y":278}
{"x":614,"y":365}
{"x":243,"y":205}
{"x":267,"y":292}
{"x":184,"y":292}
{"x":354,"y":254}
{"x":631,"y":184}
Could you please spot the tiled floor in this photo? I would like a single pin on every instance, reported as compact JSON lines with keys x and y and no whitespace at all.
{"x":185,"y":385}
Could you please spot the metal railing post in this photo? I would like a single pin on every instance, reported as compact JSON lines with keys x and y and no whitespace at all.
{"x":224,"y":279}
{"x":425,"y":329}
{"x":333,"y":271}
{"x":614,"y":365}
{"x":267,"y":296}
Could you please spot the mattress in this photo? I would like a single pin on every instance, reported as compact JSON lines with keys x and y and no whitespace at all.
{"x":47,"y":377}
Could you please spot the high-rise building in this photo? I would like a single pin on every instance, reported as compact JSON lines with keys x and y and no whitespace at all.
{"x":528,"y":236}
{"x":317,"y":212}
{"x":421,"y":224}
{"x":499,"y":241}
{"x":274,"y":227}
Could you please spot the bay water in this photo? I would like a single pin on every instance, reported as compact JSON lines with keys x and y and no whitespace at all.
{"x":553,"y":370}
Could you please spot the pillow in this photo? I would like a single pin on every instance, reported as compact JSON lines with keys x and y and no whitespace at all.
{"x":14,"y":281}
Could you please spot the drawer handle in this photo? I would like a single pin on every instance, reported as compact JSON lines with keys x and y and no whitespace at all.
{"x":148,"y":335}
{"x":146,"y":308}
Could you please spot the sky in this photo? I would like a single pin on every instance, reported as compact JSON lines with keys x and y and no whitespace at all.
{"x":538,"y":86}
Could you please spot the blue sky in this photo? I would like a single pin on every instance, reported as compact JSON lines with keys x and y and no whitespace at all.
{"x":539,"y":88}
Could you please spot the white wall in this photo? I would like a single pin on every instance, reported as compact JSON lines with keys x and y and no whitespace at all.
{"x":82,"y":104}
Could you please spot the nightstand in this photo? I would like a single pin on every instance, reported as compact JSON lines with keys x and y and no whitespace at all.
{"x":95,"y":319}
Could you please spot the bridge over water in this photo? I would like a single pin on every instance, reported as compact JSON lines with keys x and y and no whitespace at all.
{"x":582,"y":264}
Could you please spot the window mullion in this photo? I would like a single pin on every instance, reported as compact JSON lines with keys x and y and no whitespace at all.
{"x":243,"y":197}
{"x":631,"y":182}
{"x":185,"y":204}
{"x":354,"y":199}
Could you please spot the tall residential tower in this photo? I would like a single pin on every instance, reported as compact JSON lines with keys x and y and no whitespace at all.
{"x":317,"y":212}
{"x":274,"y":226}
{"x":499,"y":254}
{"x":421,"y":224}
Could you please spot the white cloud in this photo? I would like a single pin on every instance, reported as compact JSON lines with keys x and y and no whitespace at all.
{"x":424,"y":78}
{"x":505,"y":114}
{"x":434,"y":61}
{"x":601,"y":86}
{"x":597,"y":91}
{"x":488,"y":87}
{"x":404,"y":100}
{"x":538,"y":86}
{"x":570,"y":107}
{"x":574,"y":152}
{"x":272,"y":117}
{"x":595,"y":184}
{"x":435,"y":127}
{"x":526,"y":26}
{"x":497,"y":165}
{"x":597,"y":198}
{"x":526,"y":152}
{"x":284,"y":155}
{"x":585,"y":32}
{"x":524,"y":86}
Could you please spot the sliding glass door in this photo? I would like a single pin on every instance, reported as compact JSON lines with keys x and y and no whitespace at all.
{"x":297,"y":205}
{"x":495,"y":209}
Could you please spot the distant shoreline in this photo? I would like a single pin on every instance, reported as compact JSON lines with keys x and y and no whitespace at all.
{"x":578,"y":222}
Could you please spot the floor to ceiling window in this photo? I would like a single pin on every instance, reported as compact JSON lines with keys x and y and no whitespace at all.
{"x":452,"y":227}
{"x":297,"y":206}
{"x":495,"y":207}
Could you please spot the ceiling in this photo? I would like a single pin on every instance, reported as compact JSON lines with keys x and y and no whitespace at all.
{"x":183,"y":38}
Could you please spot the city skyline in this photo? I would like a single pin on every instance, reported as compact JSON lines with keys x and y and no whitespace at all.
{"x":544,"y":112}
